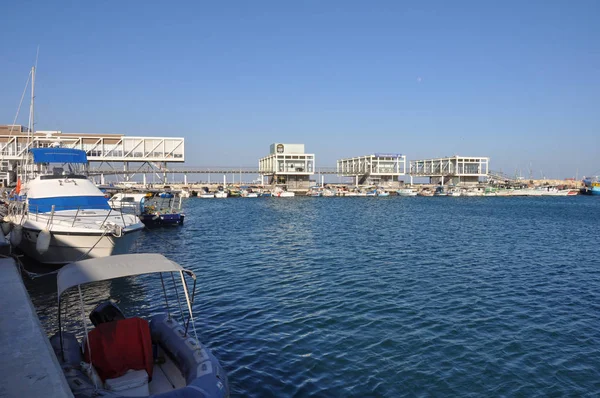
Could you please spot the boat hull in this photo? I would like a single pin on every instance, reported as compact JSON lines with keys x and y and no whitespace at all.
{"x":162,"y":220}
{"x":66,"y":247}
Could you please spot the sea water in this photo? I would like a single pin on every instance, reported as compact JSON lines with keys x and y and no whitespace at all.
{"x":383,"y":296}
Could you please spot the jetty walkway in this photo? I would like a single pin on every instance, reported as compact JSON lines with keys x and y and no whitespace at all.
{"x":29,"y":367}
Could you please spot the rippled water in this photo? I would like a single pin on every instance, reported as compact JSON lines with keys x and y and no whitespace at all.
{"x":386,"y":296}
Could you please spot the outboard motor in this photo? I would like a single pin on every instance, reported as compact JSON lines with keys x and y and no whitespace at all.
{"x":106,"y":311}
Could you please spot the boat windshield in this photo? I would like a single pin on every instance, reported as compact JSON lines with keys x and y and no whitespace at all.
{"x":59,"y":162}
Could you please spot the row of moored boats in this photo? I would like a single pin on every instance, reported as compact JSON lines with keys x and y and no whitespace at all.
{"x":58,"y":216}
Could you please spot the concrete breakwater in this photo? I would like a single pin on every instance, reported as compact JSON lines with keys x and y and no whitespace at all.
{"x":29,"y":367}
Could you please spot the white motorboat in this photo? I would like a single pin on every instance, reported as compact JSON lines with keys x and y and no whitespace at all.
{"x":281,"y":193}
{"x":554,"y":191}
{"x":128,"y":202}
{"x":406,"y":192}
{"x":221,"y":194}
{"x":131,"y":356}
{"x":440,"y":191}
{"x":184,"y":193}
{"x":60,"y":216}
{"x":454,"y":192}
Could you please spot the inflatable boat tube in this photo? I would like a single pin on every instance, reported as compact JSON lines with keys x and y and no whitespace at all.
{"x":205,"y":378}
{"x":203,"y":374}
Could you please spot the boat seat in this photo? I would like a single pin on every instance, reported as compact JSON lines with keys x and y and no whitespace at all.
{"x":134,"y":383}
{"x":119,"y":346}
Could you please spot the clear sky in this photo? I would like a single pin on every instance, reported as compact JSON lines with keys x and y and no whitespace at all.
{"x":518,"y":81}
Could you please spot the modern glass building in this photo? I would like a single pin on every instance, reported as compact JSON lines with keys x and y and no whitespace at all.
{"x":288,"y":165}
{"x":381,"y":169}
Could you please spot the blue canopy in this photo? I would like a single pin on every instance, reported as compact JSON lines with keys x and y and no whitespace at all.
{"x":58,"y":155}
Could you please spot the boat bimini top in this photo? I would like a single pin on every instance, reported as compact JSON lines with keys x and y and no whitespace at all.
{"x":119,"y":266}
{"x":58,"y":155}
{"x":112,"y":267}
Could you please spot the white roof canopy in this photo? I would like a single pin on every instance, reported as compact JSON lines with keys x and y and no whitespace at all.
{"x":119,"y":266}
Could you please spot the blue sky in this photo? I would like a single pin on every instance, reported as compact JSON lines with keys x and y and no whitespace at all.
{"x":517,"y":81}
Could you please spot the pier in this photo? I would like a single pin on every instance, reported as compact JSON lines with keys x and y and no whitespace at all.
{"x":29,"y":367}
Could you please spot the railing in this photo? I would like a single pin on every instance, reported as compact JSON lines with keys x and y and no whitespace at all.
{"x":21,"y":210}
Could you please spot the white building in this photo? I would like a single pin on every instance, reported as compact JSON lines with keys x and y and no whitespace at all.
{"x":288,"y":165}
{"x":156,"y":152}
{"x":382,"y":169}
{"x":451,"y":170}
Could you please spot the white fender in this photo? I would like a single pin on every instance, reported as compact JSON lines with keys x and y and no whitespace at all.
{"x":6,"y":227}
{"x":43,"y":241}
{"x":16,"y":235}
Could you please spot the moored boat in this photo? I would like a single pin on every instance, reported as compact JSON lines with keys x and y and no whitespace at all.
{"x":406,"y":192}
{"x":129,"y":356}
{"x":60,"y":216}
{"x":160,"y":212}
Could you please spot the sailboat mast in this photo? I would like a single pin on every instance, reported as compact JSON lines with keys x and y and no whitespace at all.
{"x":32,"y":106}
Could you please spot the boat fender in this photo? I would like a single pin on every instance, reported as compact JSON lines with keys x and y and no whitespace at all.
{"x":6,"y":227}
{"x":156,"y":216}
{"x":43,"y":241}
{"x":16,"y":235}
{"x":199,"y":366}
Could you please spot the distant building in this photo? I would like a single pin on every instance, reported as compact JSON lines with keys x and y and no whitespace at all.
{"x":451,"y":170}
{"x":288,"y":165}
{"x":15,"y":141}
{"x":380,"y":169}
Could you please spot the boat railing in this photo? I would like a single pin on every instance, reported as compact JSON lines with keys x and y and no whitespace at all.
{"x":56,"y":214}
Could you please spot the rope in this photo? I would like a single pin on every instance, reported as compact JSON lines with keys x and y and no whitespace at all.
{"x":178,"y":301}
{"x":34,"y":275}
{"x":92,"y":248}
{"x":87,"y":340}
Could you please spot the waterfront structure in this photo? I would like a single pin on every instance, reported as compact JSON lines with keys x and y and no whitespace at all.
{"x":381,"y":169}
{"x":451,"y":170}
{"x":150,"y":154}
{"x":289,"y":165}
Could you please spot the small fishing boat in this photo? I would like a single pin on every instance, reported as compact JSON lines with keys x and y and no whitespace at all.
{"x":406,"y":192}
{"x":247,"y":192}
{"x":279,"y":192}
{"x":221,"y":193}
{"x":440,"y":191}
{"x":160,"y":212}
{"x":454,"y":192}
{"x":314,"y":191}
{"x":127,"y":202}
{"x":205,"y":194}
{"x":131,"y":356}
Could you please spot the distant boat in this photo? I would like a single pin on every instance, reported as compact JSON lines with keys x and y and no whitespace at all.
{"x":406,"y":192}
{"x":205,"y":194}
{"x":127,"y":202}
{"x":281,"y":193}
{"x":440,"y":191}
{"x":162,"y":212}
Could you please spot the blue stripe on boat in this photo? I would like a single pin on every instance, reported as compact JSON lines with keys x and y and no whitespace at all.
{"x":44,"y":205}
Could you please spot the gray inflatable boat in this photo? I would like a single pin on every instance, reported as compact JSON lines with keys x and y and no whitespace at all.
{"x":131,"y":357}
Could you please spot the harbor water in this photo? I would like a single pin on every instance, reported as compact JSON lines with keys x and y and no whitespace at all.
{"x":384,"y":296}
